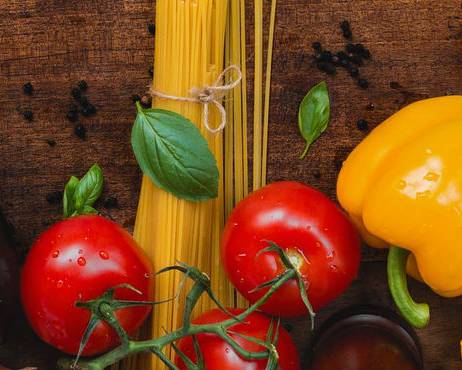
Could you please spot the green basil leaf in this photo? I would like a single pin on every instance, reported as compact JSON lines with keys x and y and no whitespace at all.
{"x":172,"y":152}
{"x":314,"y":114}
{"x":68,"y":197}
{"x":88,"y":189}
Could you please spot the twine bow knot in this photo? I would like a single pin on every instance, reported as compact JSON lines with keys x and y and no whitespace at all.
{"x":208,"y":95}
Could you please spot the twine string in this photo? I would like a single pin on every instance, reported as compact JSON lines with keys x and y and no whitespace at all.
{"x":208,"y":95}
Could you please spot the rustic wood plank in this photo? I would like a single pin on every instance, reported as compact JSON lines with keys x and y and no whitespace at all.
{"x":55,"y":43}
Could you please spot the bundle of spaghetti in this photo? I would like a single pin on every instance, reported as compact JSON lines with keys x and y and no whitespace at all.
{"x":189,"y":52}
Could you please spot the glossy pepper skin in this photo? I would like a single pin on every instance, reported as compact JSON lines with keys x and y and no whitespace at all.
{"x":403,"y":186}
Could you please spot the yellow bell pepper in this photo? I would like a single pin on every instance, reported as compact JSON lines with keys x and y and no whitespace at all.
{"x":402,"y":186}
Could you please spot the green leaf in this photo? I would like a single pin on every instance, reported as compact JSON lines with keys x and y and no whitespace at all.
{"x":88,"y":189}
{"x":314,"y":114}
{"x":174,"y":154}
{"x":68,"y":197}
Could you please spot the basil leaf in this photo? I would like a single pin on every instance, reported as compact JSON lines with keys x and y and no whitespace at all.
{"x":172,"y":152}
{"x":314,"y":114}
{"x":88,"y":189}
{"x":68,"y":201}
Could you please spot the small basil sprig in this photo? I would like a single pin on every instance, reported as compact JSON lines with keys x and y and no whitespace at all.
{"x":314,"y":114}
{"x":80,"y":195}
{"x":172,"y":152}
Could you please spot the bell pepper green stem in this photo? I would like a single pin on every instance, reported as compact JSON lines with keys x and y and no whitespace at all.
{"x":416,"y":314}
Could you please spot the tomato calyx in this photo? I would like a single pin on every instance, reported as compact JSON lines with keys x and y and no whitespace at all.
{"x":292,"y":262}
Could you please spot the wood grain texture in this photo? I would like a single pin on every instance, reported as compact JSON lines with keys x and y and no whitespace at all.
{"x":56,"y":43}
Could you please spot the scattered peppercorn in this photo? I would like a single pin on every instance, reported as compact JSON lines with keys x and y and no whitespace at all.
{"x":28,"y":115}
{"x":317,"y":174}
{"x":111,"y":202}
{"x":51,"y":143}
{"x":82,"y":85}
{"x":354,"y":72}
{"x":363,"y":83}
{"x":370,"y":106}
{"x":395,"y":85}
{"x":316,"y":46}
{"x":351,"y":58}
{"x":362,"y":124}
{"x":88,"y":110}
{"x":72,"y":115}
{"x":28,"y":89}
{"x":80,"y":131}
{"x":327,"y":67}
{"x":76,"y":93}
{"x":345,"y":25}
{"x":152,"y":28}
{"x":326,"y":56}
{"x":151,"y":71}
{"x":83,"y":101}
{"x":55,"y":197}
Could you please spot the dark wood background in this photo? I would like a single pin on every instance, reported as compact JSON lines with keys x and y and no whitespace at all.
{"x":416,"y":45}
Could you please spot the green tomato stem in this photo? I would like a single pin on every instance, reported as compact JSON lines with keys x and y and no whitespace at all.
{"x":156,"y":346}
{"x":416,"y":314}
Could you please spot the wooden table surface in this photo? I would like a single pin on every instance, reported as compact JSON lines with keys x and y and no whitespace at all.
{"x":417,"y":53}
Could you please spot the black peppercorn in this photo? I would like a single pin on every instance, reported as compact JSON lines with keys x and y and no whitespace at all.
{"x":326,"y":56}
{"x":350,"y":48}
{"x":72,"y":115}
{"x":51,"y":143}
{"x":354,"y":71}
{"x":28,"y":115}
{"x":316,"y":46}
{"x":356,"y":59}
{"x":76,"y":94}
{"x":88,"y":110}
{"x":362,"y":124}
{"x":370,"y":106}
{"x":345,"y":25}
{"x":336,"y":60}
{"x":326,"y":67}
{"x":80,"y":131}
{"x":84,"y":101}
{"x":152,"y":28}
{"x":82,"y":85}
{"x":395,"y":85}
{"x":55,"y":197}
{"x":28,"y":89}
{"x":111,"y":202}
{"x":347,"y":34}
{"x":342,"y":55}
{"x":317,"y":174}
{"x":151,"y":71}
{"x":363,"y":83}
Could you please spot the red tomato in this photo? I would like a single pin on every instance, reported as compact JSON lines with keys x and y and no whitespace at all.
{"x":218,"y":354}
{"x":77,"y":260}
{"x":316,"y":235}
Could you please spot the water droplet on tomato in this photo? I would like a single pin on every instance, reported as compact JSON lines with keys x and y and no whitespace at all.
{"x":104,"y":255}
{"x":79,"y":296}
{"x":318,"y":245}
{"x":146,"y":275}
{"x":55,"y":254}
{"x":59,"y":284}
{"x":227,"y":350}
{"x":81,"y":261}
